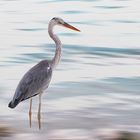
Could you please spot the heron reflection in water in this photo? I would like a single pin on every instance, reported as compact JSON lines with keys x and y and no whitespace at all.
{"x":37,"y":79}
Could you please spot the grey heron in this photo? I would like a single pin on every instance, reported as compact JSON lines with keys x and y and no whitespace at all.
{"x":37,"y":79}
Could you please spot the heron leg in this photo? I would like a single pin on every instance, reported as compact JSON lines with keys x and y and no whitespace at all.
{"x":30,"y":113}
{"x":39,"y":109}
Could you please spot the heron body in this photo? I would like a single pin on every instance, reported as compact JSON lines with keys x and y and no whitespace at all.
{"x":34,"y":82}
{"x":37,"y":79}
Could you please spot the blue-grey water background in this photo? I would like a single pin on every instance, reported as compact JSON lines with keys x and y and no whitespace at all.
{"x":95,"y":87}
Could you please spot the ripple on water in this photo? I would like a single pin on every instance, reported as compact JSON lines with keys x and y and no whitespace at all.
{"x":73,"y":50}
{"x":111,"y":7}
{"x":50,"y":1}
{"x":31,"y":29}
{"x":73,"y":12}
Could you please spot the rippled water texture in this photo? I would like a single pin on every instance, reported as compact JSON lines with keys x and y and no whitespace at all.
{"x":96,"y":85}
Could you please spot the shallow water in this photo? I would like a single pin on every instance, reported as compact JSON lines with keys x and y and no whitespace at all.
{"x":95,"y":86}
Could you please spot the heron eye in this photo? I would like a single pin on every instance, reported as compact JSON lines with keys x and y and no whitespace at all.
{"x":54,"y":18}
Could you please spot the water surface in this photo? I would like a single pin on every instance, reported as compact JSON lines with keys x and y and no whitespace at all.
{"x":95,"y":86}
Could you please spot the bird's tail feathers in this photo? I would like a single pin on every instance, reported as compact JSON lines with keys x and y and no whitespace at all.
{"x":13,"y":104}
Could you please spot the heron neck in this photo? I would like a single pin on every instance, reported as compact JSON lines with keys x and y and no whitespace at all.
{"x":58,"y":45}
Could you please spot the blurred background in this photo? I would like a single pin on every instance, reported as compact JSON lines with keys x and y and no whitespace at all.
{"x":94,"y":92}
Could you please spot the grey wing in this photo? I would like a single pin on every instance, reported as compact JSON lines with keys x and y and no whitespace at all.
{"x":36,"y":80}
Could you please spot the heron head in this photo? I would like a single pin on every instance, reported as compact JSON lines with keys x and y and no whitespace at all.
{"x":61,"y":22}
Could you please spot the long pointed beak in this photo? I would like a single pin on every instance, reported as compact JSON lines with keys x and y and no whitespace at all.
{"x":70,"y":27}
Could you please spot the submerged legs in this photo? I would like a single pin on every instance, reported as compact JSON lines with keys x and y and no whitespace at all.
{"x":30,"y":113}
{"x":39,"y":115}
